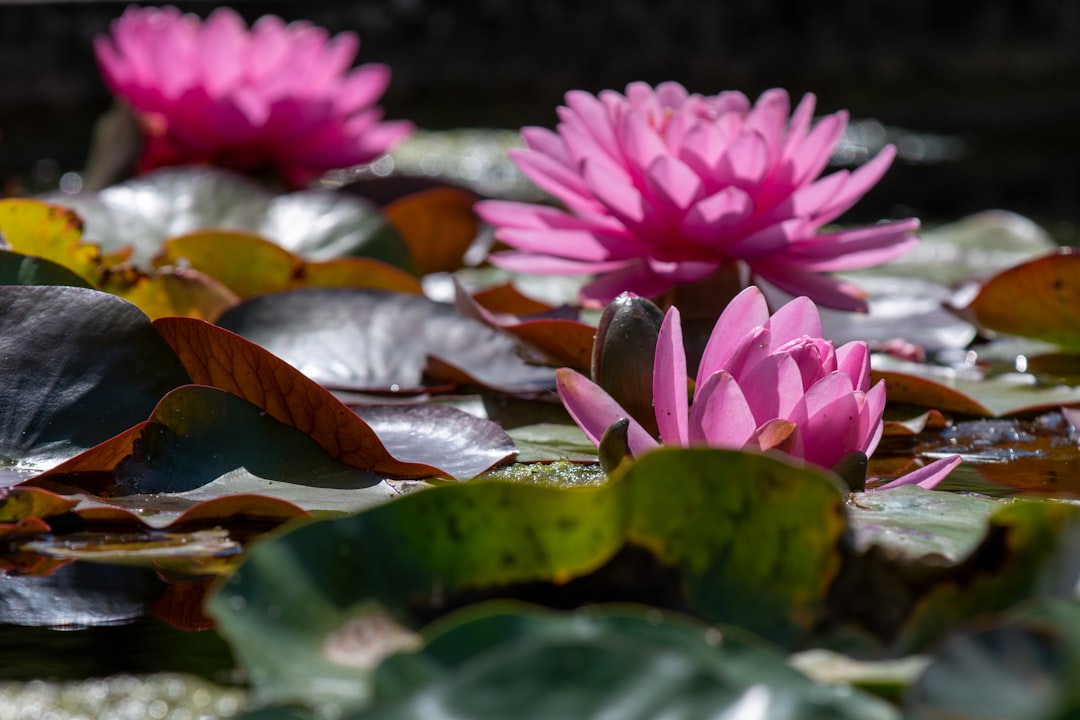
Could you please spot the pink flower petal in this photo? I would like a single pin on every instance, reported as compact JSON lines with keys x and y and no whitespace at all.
{"x":714,"y":219}
{"x":853,"y":359}
{"x":871,"y":424}
{"x":673,"y":184}
{"x":548,"y":265}
{"x":669,"y":382}
{"x":769,"y":117}
{"x":746,"y":160}
{"x":555,"y":178}
{"x":629,"y":276}
{"x":746,"y":311}
{"x":772,"y":387}
{"x":831,"y":422}
{"x":926,"y":477}
{"x":822,"y":289}
{"x":720,"y":415}
{"x":854,"y":248}
{"x":858,"y":183}
{"x":798,"y":318}
{"x":595,"y":411}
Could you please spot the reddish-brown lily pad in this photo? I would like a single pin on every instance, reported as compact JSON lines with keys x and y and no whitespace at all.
{"x":1037,"y":299}
{"x":437,"y":225}
{"x":218,"y":358}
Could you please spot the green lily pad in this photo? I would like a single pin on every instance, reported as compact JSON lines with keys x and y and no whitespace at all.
{"x":18,"y":269}
{"x":1023,"y":665}
{"x":689,"y":509}
{"x":77,"y":366}
{"x":914,"y":523}
{"x":495,"y":661}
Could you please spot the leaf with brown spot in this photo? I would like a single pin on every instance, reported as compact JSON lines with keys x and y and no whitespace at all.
{"x":170,"y":291}
{"x":438,"y":226}
{"x":218,"y":358}
{"x":53,"y":232}
{"x":1037,"y":299}
{"x":250,"y":265}
{"x":20,"y":503}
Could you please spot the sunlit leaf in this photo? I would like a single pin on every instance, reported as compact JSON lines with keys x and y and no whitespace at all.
{"x":51,"y":232}
{"x":907,"y":389}
{"x":137,"y":549}
{"x":250,"y":265}
{"x":219,"y":358}
{"x":1037,"y":299}
{"x":438,"y":225}
{"x":19,"y":269}
{"x":170,"y":291}
{"x":691,"y":509}
{"x":198,"y":434}
{"x":76,"y":367}
{"x":970,"y":392}
{"x":27,"y":502}
{"x":374,"y":340}
{"x":319,"y":224}
{"x":972,"y":248}
{"x":914,"y":523}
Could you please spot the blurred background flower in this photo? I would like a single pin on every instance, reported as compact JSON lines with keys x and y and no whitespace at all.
{"x":277,"y":100}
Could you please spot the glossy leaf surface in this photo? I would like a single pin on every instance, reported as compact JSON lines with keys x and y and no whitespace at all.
{"x":367,"y":339}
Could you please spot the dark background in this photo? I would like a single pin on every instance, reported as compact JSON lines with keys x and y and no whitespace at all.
{"x":1003,"y":76}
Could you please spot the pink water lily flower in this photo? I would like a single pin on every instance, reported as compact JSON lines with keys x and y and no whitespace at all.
{"x":278,"y":98}
{"x":663,"y":187}
{"x":768,"y":383}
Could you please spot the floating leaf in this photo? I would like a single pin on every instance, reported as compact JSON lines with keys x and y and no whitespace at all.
{"x":1037,"y":299}
{"x":170,"y":291}
{"x":76,"y":367}
{"x":972,"y":248}
{"x":970,"y":392}
{"x":27,"y":502}
{"x":319,"y":224}
{"x":438,"y":225}
{"x":220,"y":359}
{"x":691,"y":509}
{"x":914,"y":523}
{"x":459,"y":444}
{"x":202,"y":443}
{"x":250,"y":265}
{"x":138,"y":549}
{"x":907,"y":389}
{"x":557,"y":336}
{"x":497,"y":661}
{"x":51,"y":232}
{"x":372,"y":340}
{"x":1023,"y":665}
{"x":18,"y":269}
{"x":77,"y":595}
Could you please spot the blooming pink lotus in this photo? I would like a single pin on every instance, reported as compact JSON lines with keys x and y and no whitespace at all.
{"x":662,"y":187}
{"x":768,"y":383}
{"x":278,"y":98}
